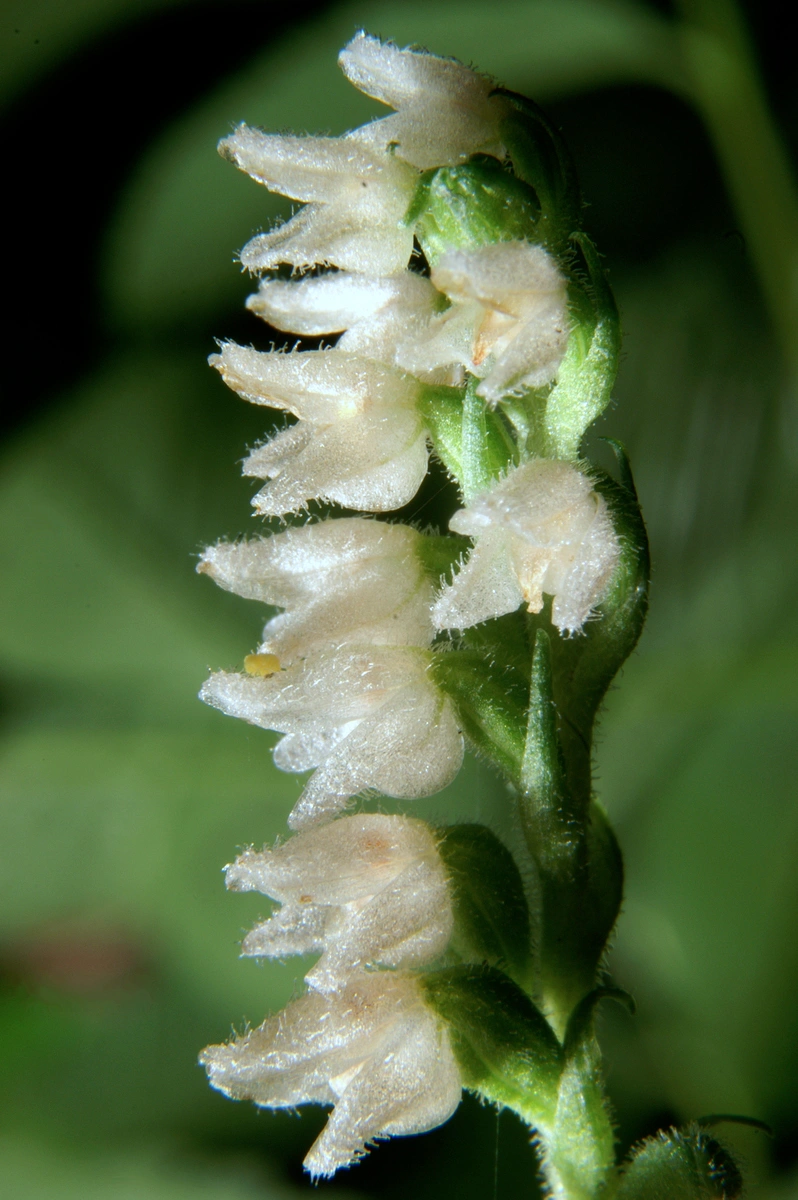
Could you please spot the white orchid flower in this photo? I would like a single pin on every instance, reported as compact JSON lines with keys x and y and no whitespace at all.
{"x":508,"y":323}
{"x":359,"y":440}
{"x":374,"y":1050}
{"x":340,"y":581}
{"x":374,"y":315}
{"x":365,"y":889}
{"x":445,"y":111}
{"x":364,"y":717}
{"x":357,"y":197}
{"x":543,"y":529}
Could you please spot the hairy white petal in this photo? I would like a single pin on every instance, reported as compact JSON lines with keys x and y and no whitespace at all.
{"x":445,"y":111}
{"x":403,"y":738}
{"x":541,"y":530}
{"x":374,"y":314}
{"x":357,"y":197}
{"x":364,"y":889}
{"x":361,"y":441}
{"x":333,"y":235}
{"x":374,"y":1049}
{"x":508,"y":323}
{"x":342,"y":580}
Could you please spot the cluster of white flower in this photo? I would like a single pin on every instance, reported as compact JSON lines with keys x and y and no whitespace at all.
{"x":343,"y":671}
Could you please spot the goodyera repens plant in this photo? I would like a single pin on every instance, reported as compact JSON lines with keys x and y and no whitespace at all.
{"x":442,"y":245}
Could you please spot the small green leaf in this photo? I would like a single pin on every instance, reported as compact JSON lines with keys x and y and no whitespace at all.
{"x":490,"y":703}
{"x":505,"y":1046}
{"x":681,"y":1164}
{"x":541,"y":159}
{"x":472,"y":442}
{"x":491,"y":917}
{"x":587,"y":373}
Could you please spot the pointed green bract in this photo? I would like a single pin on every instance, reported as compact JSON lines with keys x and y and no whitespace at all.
{"x":490,"y":910}
{"x":504,"y":1045}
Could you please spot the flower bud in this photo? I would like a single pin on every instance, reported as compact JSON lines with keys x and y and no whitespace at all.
{"x":541,"y":529}
{"x":341,"y":581}
{"x":508,"y":323}
{"x":445,"y":111}
{"x":374,"y":1050}
{"x":359,"y":440}
{"x":365,"y":718}
{"x":364,"y":889}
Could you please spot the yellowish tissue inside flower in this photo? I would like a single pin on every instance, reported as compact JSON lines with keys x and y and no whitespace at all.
{"x":261,"y":664}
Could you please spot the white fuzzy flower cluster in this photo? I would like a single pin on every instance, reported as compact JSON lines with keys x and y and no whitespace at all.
{"x":366,"y":890}
{"x":359,"y":438}
{"x":343,"y":671}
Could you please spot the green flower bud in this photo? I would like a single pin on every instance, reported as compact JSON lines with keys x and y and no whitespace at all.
{"x":681,"y":1164}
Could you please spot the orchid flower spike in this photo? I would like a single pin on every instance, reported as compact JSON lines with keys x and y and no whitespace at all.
{"x":445,"y":111}
{"x":374,"y":1050}
{"x":508,"y":323}
{"x":543,"y":529}
{"x":359,"y":440}
{"x":340,"y":581}
{"x":365,"y":889}
{"x":364,"y":717}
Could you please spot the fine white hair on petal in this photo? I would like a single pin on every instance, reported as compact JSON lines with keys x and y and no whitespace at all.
{"x":363,"y":889}
{"x":543,"y":529}
{"x":374,"y":314}
{"x":342,"y":580}
{"x":365,"y":717}
{"x":445,"y":111}
{"x":356,"y":198}
{"x":360,"y":441}
{"x":508,"y":323}
{"x":374,"y":1049}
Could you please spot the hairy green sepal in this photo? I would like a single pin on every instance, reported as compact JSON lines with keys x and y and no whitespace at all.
{"x":491,"y":916}
{"x":504,"y":1045}
{"x":678,"y":1164}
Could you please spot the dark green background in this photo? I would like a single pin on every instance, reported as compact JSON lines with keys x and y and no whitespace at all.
{"x":122,"y":797}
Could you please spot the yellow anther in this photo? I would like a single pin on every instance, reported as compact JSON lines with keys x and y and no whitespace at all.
{"x":261,"y":664}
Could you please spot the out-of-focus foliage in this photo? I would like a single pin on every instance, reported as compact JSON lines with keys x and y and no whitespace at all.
{"x":122,"y":797}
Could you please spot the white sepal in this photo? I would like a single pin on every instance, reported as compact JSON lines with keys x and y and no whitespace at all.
{"x":360,"y":440}
{"x":375,"y":315}
{"x":365,"y":717}
{"x":445,"y":111}
{"x":542,"y":529}
{"x":357,"y":198}
{"x":508,"y":323}
{"x":374,"y":1050}
{"x":365,"y":889}
{"x":342,"y":580}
